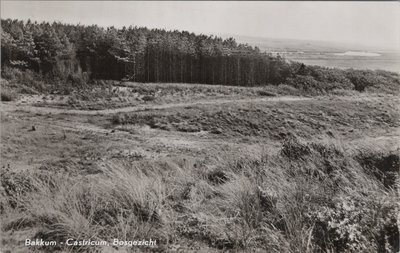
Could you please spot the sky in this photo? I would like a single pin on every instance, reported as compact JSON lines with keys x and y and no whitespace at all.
{"x":375,"y":24}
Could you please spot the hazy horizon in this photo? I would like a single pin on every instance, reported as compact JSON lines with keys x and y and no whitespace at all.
{"x":358,"y":23}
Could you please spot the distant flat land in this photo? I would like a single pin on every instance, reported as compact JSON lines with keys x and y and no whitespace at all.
{"x":385,"y":61}
{"x":328,"y":54}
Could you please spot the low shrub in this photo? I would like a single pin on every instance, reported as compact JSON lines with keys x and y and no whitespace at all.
{"x":357,"y":225}
{"x":267,"y":93}
{"x":148,"y":98}
{"x":320,"y":80}
{"x":78,"y":79}
{"x":7,"y":95}
{"x":284,"y":89}
{"x":385,"y":167}
{"x":118,"y":119}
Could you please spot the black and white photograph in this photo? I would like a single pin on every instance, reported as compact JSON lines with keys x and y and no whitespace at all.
{"x":200,"y":126}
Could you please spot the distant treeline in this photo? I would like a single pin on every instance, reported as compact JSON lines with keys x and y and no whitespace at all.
{"x":77,"y":54}
{"x":135,"y":53}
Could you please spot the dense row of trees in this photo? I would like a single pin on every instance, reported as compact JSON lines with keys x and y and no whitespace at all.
{"x":54,"y":53}
{"x":65,"y":51}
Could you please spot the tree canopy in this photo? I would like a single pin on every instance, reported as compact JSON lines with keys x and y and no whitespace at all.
{"x":59,"y":50}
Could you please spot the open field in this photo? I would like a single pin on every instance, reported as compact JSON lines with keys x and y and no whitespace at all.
{"x":383,"y":60}
{"x":202,"y":169}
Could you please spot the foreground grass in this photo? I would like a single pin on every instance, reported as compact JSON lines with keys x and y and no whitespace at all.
{"x":306,"y":197}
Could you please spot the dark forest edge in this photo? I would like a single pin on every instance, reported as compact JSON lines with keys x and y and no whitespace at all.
{"x":57,"y":58}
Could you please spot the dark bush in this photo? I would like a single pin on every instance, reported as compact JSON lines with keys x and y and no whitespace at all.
{"x":266,"y":93}
{"x":362,"y":79}
{"x":385,"y":167}
{"x":293,"y":149}
{"x":7,"y":95}
{"x":148,"y":98}
{"x":307,"y":84}
{"x":118,"y":119}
